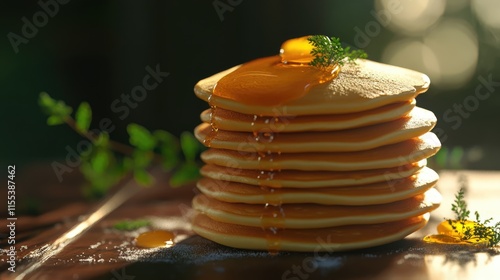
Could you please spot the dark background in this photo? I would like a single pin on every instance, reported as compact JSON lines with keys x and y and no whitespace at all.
{"x":97,"y":50}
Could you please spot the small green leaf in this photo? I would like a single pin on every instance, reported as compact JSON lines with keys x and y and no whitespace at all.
{"x":45,"y":101}
{"x":52,"y":107}
{"x":166,"y":138}
{"x":141,"y":159}
{"x":100,"y":182}
{"x":97,"y":184}
{"x":129,"y":225}
{"x":328,"y":51}
{"x":456,"y":156}
{"x":57,"y":110}
{"x":55,"y":120}
{"x":142,"y":177}
{"x":128,"y":164}
{"x":190,"y":146}
{"x":100,"y":161}
{"x":102,"y":140}
{"x":140,"y":137}
{"x":187,"y":172}
{"x":441,"y":157}
{"x":169,"y":158}
{"x":83,"y":117}
{"x":169,"y":148}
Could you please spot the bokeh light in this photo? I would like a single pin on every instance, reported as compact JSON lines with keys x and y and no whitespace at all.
{"x":412,"y":54}
{"x":445,"y":49}
{"x":487,"y":11}
{"x":456,"y":5}
{"x":412,"y":17}
{"x":455,"y":48}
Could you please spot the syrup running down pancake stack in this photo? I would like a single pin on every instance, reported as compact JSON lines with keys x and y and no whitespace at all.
{"x":302,"y":161}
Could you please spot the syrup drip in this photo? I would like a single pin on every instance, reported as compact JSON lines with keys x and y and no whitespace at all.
{"x":263,"y":136}
{"x":276,"y":124}
{"x":271,"y":81}
{"x":273,"y":214}
{"x":266,"y":177}
{"x":155,"y":239}
{"x":272,"y":219}
{"x":448,"y":235}
{"x":214,"y":129}
{"x":273,"y":124}
{"x":275,"y":80}
{"x":255,"y":117}
{"x":273,"y":222}
{"x":270,"y":197}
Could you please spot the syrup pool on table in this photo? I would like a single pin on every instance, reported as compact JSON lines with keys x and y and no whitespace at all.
{"x":155,"y":239}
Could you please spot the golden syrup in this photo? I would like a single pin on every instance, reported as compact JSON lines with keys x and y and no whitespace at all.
{"x":296,"y":51}
{"x":273,"y":222}
{"x":269,"y":194}
{"x":263,"y":136}
{"x":155,"y":239}
{"x":265,"y":177}
{"x":275,"y":80}
{"x":214,"y":129}
{"x":255,"y":117}
{"x":272,"y":217}
{"x":272,"y":81}
{"x":454,"y":233}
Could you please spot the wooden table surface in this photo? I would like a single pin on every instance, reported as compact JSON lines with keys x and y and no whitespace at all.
{"x":102,"y":252}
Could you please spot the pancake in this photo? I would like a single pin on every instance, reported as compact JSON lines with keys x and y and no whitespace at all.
{"x":315,"y":215}
{"x":234,"y":121}
{"x":330,"y":239}
{"x":360,"y":86}
{"x":306,"y":158}
{"x":309,"y":179}
{"x":368,"y":194}
{"x":388,"y":156}
{"x":416,"y":123}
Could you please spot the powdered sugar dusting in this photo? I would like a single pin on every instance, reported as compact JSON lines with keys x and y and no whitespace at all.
{"x":194,"y":251}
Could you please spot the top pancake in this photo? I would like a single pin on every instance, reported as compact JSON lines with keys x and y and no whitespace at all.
{"x":360,"y":86}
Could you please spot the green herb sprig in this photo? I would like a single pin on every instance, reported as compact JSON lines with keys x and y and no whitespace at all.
{"x":482,"y":230}
{"x":459,"y":206}
{"x":129,"y":225}
{"x":109,"y":161}
{"x":328,"y":51}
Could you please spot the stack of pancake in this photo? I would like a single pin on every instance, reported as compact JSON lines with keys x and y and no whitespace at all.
{"x":341,"y":168}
